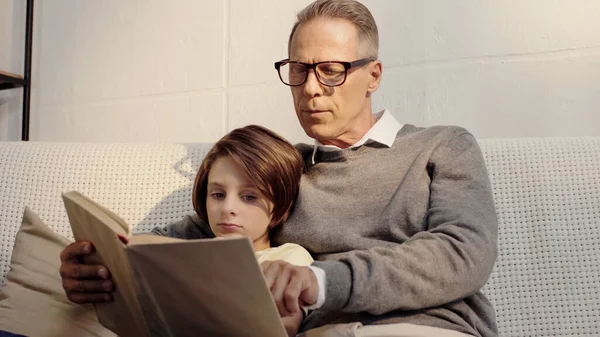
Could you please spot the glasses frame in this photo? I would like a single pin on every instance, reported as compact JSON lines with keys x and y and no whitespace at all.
{"x":313,"y":66}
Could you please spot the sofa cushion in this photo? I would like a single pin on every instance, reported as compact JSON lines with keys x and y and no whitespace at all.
{"x":32,"y":300}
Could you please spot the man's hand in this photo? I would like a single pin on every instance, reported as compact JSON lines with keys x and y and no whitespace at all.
{"x":291,"y":286}
{"x":84,"y":283}
{"x":292,"y":323}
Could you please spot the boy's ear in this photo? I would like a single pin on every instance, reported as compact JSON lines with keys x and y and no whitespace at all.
{"x":283,"y":219}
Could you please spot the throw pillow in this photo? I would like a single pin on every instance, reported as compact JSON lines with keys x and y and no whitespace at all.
{"x":32,"y":300}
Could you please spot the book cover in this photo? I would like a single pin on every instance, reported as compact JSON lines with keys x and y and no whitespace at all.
{"x":173,"y":287}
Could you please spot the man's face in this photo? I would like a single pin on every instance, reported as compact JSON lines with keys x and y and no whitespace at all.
{"x":333,"y":115}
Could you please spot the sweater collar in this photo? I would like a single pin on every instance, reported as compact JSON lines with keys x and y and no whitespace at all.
{"x":383,"y":132}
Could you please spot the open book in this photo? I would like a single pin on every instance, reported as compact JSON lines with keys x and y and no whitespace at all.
{"x":173,"y":287}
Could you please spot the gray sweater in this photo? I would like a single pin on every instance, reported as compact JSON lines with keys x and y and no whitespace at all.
{"x":406,"y":234}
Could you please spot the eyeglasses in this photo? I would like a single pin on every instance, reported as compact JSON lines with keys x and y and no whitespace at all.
{"x":329,"y":73}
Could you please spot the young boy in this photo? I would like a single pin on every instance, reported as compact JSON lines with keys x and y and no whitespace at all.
{"x":246,"y":186}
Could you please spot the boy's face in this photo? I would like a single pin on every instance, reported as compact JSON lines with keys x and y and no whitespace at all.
{"x":235,"y":207}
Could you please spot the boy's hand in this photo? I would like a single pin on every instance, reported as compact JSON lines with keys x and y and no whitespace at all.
{"x":291,"y":286}
{"x":84,"y":283}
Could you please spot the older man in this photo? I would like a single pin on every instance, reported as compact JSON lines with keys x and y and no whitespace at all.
{"x":400,"y":219}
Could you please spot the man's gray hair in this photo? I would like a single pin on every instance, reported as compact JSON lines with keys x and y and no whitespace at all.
{"x":350,"y":10}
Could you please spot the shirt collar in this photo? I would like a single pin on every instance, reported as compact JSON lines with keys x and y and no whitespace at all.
{"x":384,"y":132}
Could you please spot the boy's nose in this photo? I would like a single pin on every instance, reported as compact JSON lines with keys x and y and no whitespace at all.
{"x":229,"y":206}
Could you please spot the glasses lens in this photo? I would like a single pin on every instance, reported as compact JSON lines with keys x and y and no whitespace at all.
{"x":331,"y":73}
{"x":292,"y":73}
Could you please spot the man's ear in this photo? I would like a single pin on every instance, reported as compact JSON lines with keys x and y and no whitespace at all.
{"x":376,"y":69}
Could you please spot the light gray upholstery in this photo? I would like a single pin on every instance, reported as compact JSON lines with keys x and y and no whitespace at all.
{"x":547,"y":192}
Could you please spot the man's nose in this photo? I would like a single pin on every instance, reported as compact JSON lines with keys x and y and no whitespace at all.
{"x":312,"y":86}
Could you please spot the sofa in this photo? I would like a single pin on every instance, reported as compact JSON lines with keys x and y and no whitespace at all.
{"x":546,"y":281}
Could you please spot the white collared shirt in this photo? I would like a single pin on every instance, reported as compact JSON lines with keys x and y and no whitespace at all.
{"x":384,"y":132}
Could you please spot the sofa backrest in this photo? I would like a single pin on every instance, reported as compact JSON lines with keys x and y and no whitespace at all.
{"x":147,"y":185}
{"x":547,"y":193}
{"x":546,"y":281}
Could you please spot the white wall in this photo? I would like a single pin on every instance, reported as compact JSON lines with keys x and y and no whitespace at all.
{"x":189,"y":70}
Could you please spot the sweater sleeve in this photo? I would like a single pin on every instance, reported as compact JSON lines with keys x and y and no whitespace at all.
{"x":188,"y":228}
{"x":449,"y":261}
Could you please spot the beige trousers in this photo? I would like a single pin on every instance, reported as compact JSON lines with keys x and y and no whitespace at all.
{"x":385,"y":330}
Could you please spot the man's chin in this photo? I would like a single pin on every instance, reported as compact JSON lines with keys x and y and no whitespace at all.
{"x":318,"y":131}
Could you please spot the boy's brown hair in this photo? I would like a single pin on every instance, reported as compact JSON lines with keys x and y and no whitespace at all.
{"x":274,"y":165}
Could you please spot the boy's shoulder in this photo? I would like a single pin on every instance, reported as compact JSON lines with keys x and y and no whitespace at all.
{"x":289,"y":252}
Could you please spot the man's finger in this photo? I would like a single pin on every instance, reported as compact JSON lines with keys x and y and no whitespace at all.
{"x":279,"y":288}
{"x":265,"y":265}
{"x":310,"y":290}
{"x":270,"y":272}
{"x":84,"y":298}
{"x":83,"y":271}
{"x":75,"y":250}
{"x":277,"y":279}
{"x":87,"y":286}
{"x":293,"y":291}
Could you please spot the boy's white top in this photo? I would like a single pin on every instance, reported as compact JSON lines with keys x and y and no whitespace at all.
{"x":289,"y":252}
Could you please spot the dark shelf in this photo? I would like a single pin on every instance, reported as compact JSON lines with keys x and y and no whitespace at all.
{"x":10,"y":81}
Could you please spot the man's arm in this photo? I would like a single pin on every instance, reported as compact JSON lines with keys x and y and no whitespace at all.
{"x":450,"y":261}
{"x":86,"y":282}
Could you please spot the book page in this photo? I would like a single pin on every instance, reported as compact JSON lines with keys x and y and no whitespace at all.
{"x":92,"y":222}
{"x":204,"y":287}
{"x":146,"y":239}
